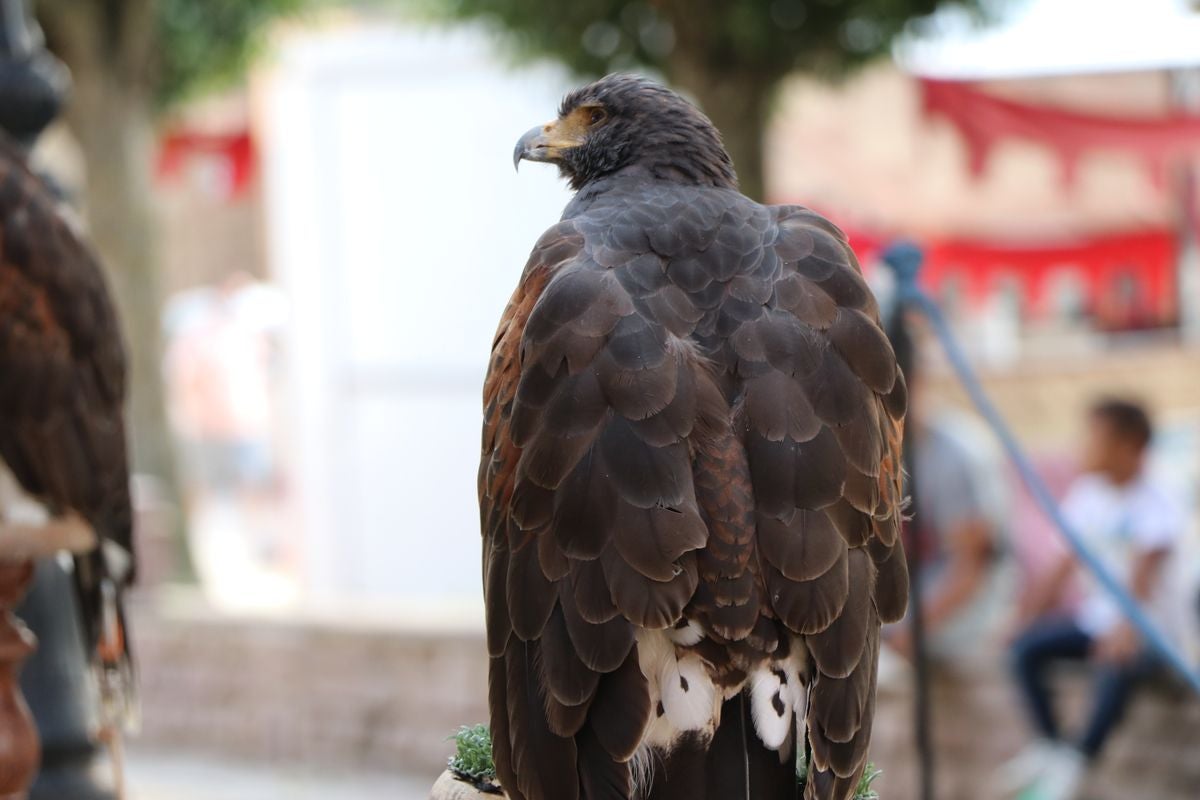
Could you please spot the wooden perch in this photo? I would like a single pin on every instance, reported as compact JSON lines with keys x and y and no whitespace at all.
{"x":20,"y":750}
{"x":449,"y":787}
{"x":21,"y":541}
{"x":20,"y":544}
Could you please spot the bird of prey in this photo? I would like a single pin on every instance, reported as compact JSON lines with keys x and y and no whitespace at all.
{"x":690,"y":484}
{"x":62,"y":390}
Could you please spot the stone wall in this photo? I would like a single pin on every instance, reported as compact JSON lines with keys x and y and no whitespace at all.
{"x":293,"y":691}
{"x":352,"y":696}
{"x":979,"y":722}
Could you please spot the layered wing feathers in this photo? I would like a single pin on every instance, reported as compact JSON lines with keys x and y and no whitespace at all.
{"x":691,"y":414}
{"x":62,"y":363}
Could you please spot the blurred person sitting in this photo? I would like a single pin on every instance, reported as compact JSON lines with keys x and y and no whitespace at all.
{"x":1131,"y":523}
{"x":961,"y":498}
{"x":960,"y":491}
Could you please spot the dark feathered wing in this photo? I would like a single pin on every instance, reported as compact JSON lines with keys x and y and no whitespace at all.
{"x":62,"y":367}
{"x":589,"y":515}
{"x":823,"y":414}
{"x":691,"y":416}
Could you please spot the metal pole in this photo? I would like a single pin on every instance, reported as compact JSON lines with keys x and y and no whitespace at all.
{"x":32,"y":81}
{"x":905,"y":260}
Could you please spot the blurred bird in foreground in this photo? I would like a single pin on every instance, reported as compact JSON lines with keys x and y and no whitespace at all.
{"x":62,"y":396}
{"x":690,"y":484}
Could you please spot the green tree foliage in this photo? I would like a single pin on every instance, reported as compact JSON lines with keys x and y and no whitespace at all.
{"x":203,"y":44}
{"x":728,"y":54}
{"x":767,"y":36}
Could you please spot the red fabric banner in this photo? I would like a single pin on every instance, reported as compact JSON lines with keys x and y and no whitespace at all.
{"x":1121,"y":281}
{"x":985,"y":119}
{"x":233,"y":154}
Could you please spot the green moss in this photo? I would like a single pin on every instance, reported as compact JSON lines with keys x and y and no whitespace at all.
{"x":864,"y":790}
{"x":472,"y":760}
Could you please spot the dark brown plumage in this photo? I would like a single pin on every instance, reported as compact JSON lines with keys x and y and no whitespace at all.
{"x":690,"y":484}
{"x":62,"y":373}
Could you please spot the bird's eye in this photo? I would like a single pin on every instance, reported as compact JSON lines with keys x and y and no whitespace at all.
{"x":597,"y":115}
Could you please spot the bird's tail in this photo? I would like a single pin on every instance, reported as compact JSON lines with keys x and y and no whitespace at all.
{"x":734,"y":765}
{"x":100,"y":581}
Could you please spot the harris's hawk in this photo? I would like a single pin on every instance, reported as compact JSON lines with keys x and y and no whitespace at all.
{"x":690,"y":484}
{"x":62,"y":393}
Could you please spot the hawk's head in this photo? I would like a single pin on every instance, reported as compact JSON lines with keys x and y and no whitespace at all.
{"x":623,"y":121}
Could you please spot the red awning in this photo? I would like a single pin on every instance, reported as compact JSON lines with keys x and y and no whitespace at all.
{"x":985,"y":120}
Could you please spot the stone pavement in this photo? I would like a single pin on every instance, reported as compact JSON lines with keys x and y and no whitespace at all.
{"x":176,"y":775}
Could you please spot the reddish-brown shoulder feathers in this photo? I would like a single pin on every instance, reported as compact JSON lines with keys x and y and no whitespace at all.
{"x":62,"y":363}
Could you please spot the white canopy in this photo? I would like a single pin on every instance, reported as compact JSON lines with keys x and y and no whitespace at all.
{"x":1058,"y":37}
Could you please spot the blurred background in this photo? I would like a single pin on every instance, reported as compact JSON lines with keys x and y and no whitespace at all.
{"x":311,"y":223}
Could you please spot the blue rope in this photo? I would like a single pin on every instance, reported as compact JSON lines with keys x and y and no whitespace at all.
{"x":905,"y":260}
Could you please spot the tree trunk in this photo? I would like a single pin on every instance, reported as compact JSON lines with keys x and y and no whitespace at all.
{"x":738,"y":103}
{"x":114,"y":133}
{"x":109,"y":113}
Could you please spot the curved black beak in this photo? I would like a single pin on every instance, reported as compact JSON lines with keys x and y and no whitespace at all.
{"x":547,"y":142}
{"x":534,"y":145}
